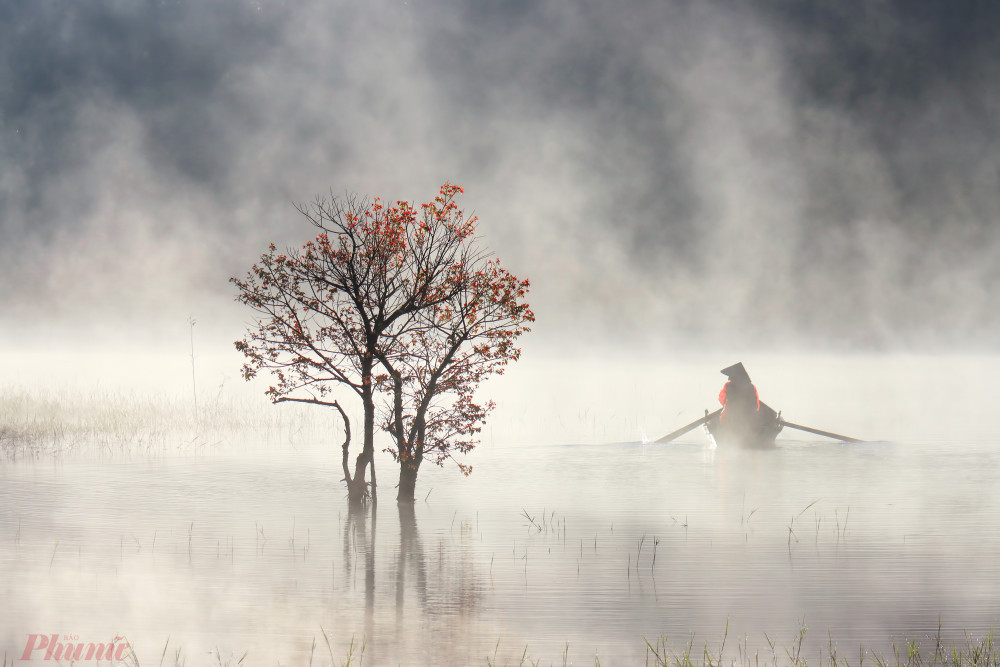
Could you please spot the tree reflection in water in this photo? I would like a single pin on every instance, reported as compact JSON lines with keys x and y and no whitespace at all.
{"x":359,"y":541}
{"x":441,"y":597}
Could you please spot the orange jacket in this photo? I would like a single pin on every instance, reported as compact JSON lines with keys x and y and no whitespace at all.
{"x":722,"y":394}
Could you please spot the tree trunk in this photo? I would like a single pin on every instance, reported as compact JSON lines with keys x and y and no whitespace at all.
{"x":407,"y":480}
{"x":355,"y":495}
{"x":357,"y":489}
{"x":355,"y":492}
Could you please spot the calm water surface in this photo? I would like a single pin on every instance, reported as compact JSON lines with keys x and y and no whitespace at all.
{"x":590,"y":547}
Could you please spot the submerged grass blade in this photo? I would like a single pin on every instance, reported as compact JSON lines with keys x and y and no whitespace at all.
{"x":163,"y":655}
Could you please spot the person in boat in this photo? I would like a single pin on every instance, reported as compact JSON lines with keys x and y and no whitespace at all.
{"x":739,"y":396}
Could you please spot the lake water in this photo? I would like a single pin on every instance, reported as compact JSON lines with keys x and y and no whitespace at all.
{"x":557,"y":552}
{"x":583,"y":549}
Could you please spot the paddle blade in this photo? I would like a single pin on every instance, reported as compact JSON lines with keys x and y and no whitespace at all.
{"x":826,"y":434}
{"x":684,"y":429}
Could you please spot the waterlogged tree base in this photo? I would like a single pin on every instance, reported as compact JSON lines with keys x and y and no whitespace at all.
{"x":407,"y":482}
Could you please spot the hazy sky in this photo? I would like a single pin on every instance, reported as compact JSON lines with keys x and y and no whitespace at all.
{"x":736,"y":174}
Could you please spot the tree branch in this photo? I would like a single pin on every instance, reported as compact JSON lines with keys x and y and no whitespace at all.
{"x":316,"y":401}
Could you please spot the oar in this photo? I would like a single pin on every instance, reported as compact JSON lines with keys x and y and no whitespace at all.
{"x":817,"y":431}
{"x":684,"y":429}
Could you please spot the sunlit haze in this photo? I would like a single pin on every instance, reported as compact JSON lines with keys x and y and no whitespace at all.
{"x":667,"y":174}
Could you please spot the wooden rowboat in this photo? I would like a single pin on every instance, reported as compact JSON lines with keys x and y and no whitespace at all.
{"x":743,"y":426}
{"x":753,"y":430}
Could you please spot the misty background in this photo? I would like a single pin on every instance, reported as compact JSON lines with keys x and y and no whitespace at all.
{"x":809,"y":187}
{"x":758,"y":175}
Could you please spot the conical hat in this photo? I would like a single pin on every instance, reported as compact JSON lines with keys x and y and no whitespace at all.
{"x":736,"y":372}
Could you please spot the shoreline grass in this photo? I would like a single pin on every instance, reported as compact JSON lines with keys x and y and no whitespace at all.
{"x":110,"y":424}
{"x":983,"y":652}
